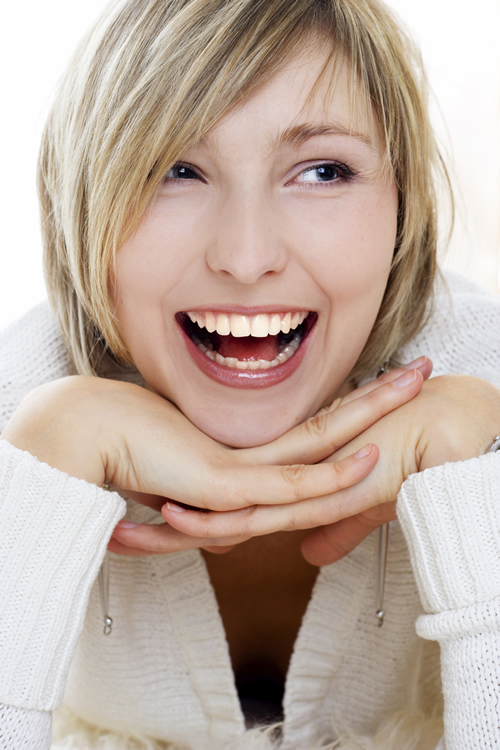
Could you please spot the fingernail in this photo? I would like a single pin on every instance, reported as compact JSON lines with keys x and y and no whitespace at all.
{"x":173,"y":506}
{"x":406,"y":379}
{"x":415,"y":364}
{"x":126,"y":525}
{"x":365,"y":451}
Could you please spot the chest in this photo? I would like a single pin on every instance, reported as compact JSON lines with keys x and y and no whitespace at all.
{"x":262,"y":588}
{"x":165,"y":672}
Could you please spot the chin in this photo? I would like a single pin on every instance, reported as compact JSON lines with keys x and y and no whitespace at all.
{"x":244,"y":432}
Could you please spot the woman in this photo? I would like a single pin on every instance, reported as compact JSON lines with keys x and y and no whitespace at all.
{"x":239,"y":215}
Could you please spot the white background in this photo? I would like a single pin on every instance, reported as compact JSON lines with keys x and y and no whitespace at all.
{"x":462,"y":54}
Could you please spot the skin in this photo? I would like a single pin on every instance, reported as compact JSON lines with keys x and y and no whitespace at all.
{"x":254,"y":229}
{"x":106,"y":431}
{"x":248,"y":229}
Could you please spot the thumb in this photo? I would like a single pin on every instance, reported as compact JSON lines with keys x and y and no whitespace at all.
{"x":221,"y":550}
{"x":327,"y":544}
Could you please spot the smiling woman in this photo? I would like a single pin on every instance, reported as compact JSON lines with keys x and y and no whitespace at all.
{"x":239,"y":224}
{"x":262,"y":228}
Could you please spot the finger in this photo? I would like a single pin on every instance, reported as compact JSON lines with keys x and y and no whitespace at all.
{"x":331,"y":543}
{"x":326,"y":432}
{"x":160,"y":539}
{"x":267,"y":519}
{"x":242,"y":486}
{"x":422,"y":364}
{"x":222,"y":550}
{"x":122,"y":549}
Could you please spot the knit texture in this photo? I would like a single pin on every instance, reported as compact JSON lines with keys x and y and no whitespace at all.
{"x":165,"y":673}
{"x":24,"y":730}
{"x":55,"y":529}
{"x":451,"y":514}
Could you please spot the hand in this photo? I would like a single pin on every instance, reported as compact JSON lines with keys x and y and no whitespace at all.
{"x":307,"y":444}
{"x":117,"y":433}
{"x":454,"y":418}
{"x":122,"y":435}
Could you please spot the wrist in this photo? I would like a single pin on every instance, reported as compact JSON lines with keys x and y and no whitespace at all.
{"x":449,"y":515}
{"x":460,"y":419}
{"x":57,"y":424}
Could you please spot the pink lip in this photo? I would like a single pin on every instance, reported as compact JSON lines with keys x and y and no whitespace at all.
{"x":246,"y":378}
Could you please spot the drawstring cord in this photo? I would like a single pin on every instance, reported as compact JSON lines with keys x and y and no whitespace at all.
{"x":383,"y":543}
{"x":104,"y":586}
{"x":104,"y":591}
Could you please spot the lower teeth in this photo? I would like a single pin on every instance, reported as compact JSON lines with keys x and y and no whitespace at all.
{"x":284,"y":353}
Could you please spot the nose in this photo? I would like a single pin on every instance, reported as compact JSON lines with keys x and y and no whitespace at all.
{"x":246,"y":243}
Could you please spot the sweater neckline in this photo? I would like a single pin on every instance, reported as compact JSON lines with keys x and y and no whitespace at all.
{"x":323,"y":636}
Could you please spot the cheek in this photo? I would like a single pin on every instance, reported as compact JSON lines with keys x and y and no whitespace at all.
{"x":350,"y":246}
{"x":139,"y":287}
{"x":149,"y":266}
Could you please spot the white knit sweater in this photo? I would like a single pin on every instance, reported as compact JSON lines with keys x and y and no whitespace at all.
{"x":165,"y":670}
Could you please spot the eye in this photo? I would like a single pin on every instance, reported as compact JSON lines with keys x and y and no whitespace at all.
{"x":181,"y":172}
{"x":324,"y":173}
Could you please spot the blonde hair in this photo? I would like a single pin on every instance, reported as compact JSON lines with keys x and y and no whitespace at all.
{"x":151,"y":79}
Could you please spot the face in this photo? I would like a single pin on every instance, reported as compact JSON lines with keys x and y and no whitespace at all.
{"x":250,"y":288}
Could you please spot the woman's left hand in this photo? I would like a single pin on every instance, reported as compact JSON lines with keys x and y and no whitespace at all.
{"x":454,"y":418}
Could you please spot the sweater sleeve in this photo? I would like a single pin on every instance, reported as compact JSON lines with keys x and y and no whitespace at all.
{"x":54,"y":533}
{"x":22,"y":729}
{"x":450,"y":516}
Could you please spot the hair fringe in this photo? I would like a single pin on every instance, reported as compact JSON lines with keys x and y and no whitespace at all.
{"x":151,"y":78}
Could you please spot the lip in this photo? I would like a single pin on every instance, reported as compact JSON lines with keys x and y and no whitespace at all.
{"x":265,"y":309}
{"x":248,"y":378}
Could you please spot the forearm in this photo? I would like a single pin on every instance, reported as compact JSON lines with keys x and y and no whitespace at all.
{"x":54,"y":534}
{"x":22,"y":729}
{"x":470,"y":671}
{"x":451,"y":518}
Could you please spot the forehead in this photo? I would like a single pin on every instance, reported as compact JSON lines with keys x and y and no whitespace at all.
{"x":310,"y":95}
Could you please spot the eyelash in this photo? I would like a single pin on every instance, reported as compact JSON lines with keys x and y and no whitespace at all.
{"x":345,"y":173}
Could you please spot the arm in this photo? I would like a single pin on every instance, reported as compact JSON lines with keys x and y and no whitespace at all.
{"x":451,"y":519}
{"x":56,"y":522}
{"x":55,"y":532}
{"x":22,"y":729}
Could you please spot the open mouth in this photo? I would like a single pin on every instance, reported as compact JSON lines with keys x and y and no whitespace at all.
{"x":247,"y":342}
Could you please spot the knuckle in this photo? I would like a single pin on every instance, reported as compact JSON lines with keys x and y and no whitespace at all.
{"x":334,"y":405}
{"x":294,"y":474}
{"x":247,"y":518}
{"x":317,"y":425}
{"x":338,"y":470}
{"x":377,"y":394}
{"x":290,"y":521}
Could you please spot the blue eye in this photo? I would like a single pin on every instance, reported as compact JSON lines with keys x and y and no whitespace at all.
{"x":324,"y":173}
{"x":181,"y":172}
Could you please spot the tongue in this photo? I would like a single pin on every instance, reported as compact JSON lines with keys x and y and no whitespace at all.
{"x":249,"y":347}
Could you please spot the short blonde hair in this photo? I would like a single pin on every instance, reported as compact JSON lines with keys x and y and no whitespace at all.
{"x":151,"y":79}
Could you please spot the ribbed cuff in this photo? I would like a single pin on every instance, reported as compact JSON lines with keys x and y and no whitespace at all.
{"x":54,"y":533}
{"x":450,"y":516}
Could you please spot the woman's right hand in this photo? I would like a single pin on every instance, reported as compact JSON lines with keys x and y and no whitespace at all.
{"x":115,"y":433}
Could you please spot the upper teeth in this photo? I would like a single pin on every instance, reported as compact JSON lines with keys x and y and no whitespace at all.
{"x":248,"y":325}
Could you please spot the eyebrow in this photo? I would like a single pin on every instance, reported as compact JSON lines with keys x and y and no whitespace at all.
{"x":298,"y":134}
